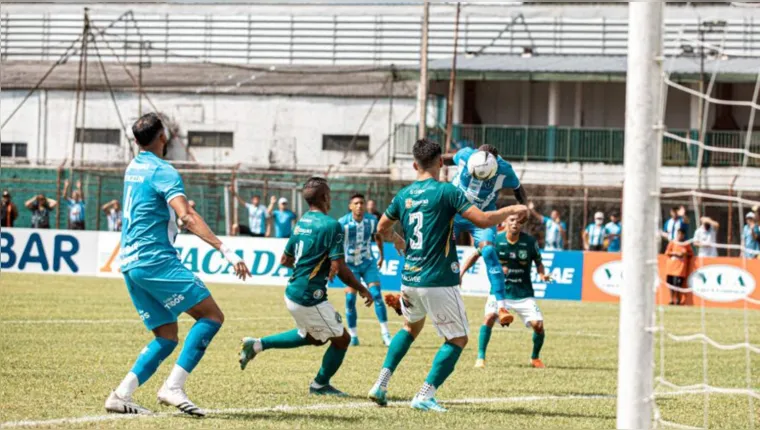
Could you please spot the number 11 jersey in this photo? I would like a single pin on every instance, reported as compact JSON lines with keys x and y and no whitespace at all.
{"x":426,"y":211}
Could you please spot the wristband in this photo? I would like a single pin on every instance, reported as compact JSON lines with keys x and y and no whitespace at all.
{"x":230,"y":256}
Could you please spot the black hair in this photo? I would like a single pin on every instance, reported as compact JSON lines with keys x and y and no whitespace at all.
{"x":674,"y":209}
{"x":489,"y":148}
{"x":426,"y":152}
{"x":357,"y":196}
{"x":315,"y":189}
{"x":147,"y":128}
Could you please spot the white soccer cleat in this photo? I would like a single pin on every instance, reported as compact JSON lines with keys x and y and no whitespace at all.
{"x":176,"y":397}
{"x":119,"y":405}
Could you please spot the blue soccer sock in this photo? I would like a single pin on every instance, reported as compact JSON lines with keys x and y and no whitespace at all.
{"x":196,"y":342}
{"x":495,"y":274}
{"x":331,"y":362}
{"x":483,"y":339}
{"x":351,"y":315}
{"x":147,"y":362}
{"x":285,"y":340}
{"x":443,"y":365}
{"x":380,"y":309}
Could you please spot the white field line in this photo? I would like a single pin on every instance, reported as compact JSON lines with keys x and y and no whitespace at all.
{"x":288,"y":408}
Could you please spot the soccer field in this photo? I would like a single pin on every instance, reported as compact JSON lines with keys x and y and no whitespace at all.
{"x":66,"y":342}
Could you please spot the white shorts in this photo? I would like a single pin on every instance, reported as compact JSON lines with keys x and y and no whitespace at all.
{"x":526,"y":308}
{"x":320,"y":321}
{"x":444,"y":305}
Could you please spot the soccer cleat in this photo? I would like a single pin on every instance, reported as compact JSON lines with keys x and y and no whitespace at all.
{"x":394,"y":302}
{"x":176,"y":397}
{"x":119,"y":405}
{"x":327,"y":390}
{"x":426,"y":404}
{"x":387,"y":339}
{"x":480,"y":363}
{"x":505,"y":318}
{"x":377,"y":394}
{"x":246,"y":351}
{"x":537,"y":363}
{"x":354,"y":340}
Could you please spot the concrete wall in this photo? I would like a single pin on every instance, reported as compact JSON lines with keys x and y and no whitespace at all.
{"x":268,"y":130}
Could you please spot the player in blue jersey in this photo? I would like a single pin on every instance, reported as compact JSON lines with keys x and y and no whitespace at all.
{"x":162,"y":288}
{"x":360,"y":229}
{"x":484,"y":194}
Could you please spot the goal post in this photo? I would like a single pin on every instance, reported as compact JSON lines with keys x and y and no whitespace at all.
{"x":643,"y":144}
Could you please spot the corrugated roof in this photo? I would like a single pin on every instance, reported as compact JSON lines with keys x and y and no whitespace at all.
{"x":207,"y":78}
{"x":731,"y":69}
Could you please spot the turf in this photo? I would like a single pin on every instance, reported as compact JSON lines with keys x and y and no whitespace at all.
{"x":65,"y":342}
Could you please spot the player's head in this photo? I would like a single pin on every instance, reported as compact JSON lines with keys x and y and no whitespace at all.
{"x":674,"y":212}
{"x":282,"y":204}
{"x":681,"y":235}
{"x":514,"y":223}
{"x":371,"y":206}
{"x":427,"y":156}
{"x":76,"y":195}
{"x":599,"y":218}
{"x":357,"y":205}
{"x":150,"y":134}
{"x":316,"y":192}
{"x":256,"y":200}
{"x":750,"y":217}
{"x":614,"y":217}
{"x":41,"y":200}
{"x":117,"y":205}
{"x":555,"y":214}
{"x":6,"y":196}
{"x":489,"y":148}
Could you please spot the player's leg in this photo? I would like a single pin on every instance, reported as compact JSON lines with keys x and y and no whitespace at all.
{"x":484,"y":238}
{"x":491,"y":314}
{"x":538,"y":343}
{"x":371,"y":277}
{"x":531,"y":315}
{"x":446,"y":307}
{"x":671,"y":283}
{"x":164,"y":327}
{"x":331,"y":362}
{"x":352,"y":316}
{"x":414,"y":312}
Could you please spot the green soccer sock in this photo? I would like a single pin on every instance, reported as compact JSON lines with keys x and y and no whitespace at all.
{"x":483,"y":339}
{"x":284,"y":340}
{"x":538,"y":342}
{"x":443,"y":364}
{"x":331,"y":362}
{"x":398,"y":349}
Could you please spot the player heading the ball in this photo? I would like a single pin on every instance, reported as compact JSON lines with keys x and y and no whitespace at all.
{"x":430,"y":277}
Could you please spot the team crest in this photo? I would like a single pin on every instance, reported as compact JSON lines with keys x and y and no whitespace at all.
{"x":318,"y":294}
{"x":522,"y":254}
{"x":455,"y":267}
{"x":409,"y":203}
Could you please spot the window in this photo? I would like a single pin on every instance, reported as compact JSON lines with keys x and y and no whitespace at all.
{"x":109,"y":136}
{"x":212,"y":139}
{"x":345,"y":142}
{"x":13,"y":149}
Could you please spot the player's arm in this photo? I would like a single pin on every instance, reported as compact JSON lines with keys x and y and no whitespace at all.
{"x":520,"y":195}
{"x":236,"y":195}
{"x":380,"y":252}
{"x":536,"y":215}
{"x":28,"y":204}
{"x":81,"y":191}
{"x":51,"y":203}
{"x":288,"y":258}
{"x":107,"y":207}
{"x":491,"y":218}
{"x":712,"y":222}
{"x":469,"y":262}
{"x":540,"y":270}
{"x":66,"y":188}
{"x":385,"y":233}
{"x":272,"y":202}
{"x":585,"y":238}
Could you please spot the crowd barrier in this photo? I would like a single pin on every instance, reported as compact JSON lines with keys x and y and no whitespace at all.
{"x":587,"y":276}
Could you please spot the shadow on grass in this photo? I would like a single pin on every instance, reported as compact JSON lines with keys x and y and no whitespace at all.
{"x":543,"y":413}
{"x":288,"y":416}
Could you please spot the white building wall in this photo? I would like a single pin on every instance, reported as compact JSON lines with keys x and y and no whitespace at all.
{"x":268,"y":130}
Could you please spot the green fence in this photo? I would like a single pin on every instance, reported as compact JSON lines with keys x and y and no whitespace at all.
{"x":591,"y":145}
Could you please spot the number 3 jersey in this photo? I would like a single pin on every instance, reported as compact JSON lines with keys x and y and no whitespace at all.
{"x":316,"y":241}
{"x":426,"y":211}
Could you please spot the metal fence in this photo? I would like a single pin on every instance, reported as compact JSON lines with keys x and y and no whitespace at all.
{"x":595,"y":145}
{"x":289,"y":38}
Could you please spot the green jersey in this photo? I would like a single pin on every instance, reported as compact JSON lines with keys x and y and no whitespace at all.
{"x":517,"y":259}
{"x":316,"y":241}
{"x":426,"y":210}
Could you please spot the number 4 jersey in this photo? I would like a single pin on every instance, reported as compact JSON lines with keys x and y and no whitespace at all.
{"x":426,"y":210}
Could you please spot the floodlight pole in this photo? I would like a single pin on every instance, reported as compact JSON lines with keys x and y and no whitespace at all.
{"x":423,"y":86}
{"x":643,"y":135}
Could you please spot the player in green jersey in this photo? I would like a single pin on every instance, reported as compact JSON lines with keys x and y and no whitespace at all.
{"x":315,"y":253}
{"x":517,"y":252}
{"x":430,"y":277}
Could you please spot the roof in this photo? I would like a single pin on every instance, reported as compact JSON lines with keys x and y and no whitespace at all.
{"x":212,"y":78}
{"x":591,"y":68}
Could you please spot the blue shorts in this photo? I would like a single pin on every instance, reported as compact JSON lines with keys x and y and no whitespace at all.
{"x":163,"y":291}
{"x":479,"y":234}
{"x":366,"y":271}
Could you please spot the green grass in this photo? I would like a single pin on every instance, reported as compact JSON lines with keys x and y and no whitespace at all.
{"x":63,"y":369}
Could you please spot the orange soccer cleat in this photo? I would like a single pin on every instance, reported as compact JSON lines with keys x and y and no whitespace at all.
{"x":536,"y":363}
{"x":394,"y":302}
{"x":505,"y":318}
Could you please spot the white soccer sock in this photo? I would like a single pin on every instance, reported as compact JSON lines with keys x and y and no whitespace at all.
{"x":127,"y":386}
{"x":384,"y":328}
{"x":502,"y":304}
{"x":353,"y":332}
{"x":384,"y":378}
{"x":177,"y":378}
{"x":427,"y":391}
{"x":257,"y":346}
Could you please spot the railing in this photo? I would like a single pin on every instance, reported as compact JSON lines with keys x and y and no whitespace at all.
{"x":589,"y":145}
{"x":287,"y":38}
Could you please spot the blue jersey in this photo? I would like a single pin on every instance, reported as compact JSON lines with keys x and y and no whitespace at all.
{"x":595,"y":234}
{"x":750,"y":244}
{"x":76,"y":210}
{"x":613,"y":228}
{"x":483,"y":193}
{"x":672,"y":226}
{"x":149,"y":224}
{"x":283,"y":223}
{"x":358,"y":237}
{"x":553,"y":240}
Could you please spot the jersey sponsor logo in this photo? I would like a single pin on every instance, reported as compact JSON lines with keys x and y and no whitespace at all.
{"x":318,"y":294}
{"x":409,"y":203}
{"x":455,"y":267}
{"x":442,"y":319}
{"x":609,"y":277}
{"x":417,"y":192}
{"x":143,"y":315}
{"x":409,"y":268}
{"x":495,"y":270}
{"x":721,"y":283}
{"x":301,"y":230}
{"x":413,"y":279}
{"x":173,"y":301}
